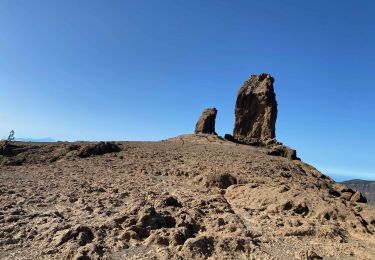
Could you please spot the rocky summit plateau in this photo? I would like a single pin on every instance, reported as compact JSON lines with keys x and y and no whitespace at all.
{"x":194,"y":196}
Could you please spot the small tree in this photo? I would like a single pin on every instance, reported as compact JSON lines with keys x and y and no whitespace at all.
{"x":11,"y":136}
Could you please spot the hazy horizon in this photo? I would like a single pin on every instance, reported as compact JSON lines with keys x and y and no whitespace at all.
{"x":142,"y":70}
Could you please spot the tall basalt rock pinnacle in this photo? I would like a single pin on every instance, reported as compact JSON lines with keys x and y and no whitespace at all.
{"x":256,"y":109}
{"x":206,"y":122}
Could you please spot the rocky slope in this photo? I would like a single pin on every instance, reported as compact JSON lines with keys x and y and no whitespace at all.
{"x":365,"y":187}
{"x":189,"y":197}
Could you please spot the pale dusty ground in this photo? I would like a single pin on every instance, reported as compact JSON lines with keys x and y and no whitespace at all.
{"x":161,"y":200}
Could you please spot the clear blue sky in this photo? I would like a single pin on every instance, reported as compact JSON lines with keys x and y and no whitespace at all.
{"x":144,"y":70}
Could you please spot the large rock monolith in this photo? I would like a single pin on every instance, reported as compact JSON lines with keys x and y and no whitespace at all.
{"x":206,"y":122}
{"x":256,"y":110}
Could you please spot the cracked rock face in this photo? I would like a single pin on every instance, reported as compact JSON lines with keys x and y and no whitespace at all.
{"x":256,"y":109}
{"x":206,"y":122}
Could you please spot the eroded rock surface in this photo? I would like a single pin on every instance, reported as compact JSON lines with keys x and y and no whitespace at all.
{"x":284,"y":151}
{"x":189,"y":197}
{"x":206,"y":122}
{"x":256,"y":110}
{"x":99,"y":149}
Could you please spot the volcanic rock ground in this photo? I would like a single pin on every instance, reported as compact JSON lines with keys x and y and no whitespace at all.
{"x":189,"y":197}
{"x":366,"y":187}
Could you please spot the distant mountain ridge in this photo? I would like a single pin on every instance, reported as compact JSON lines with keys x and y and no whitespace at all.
{"x":42,"y":140}
{"x":367,"y":188}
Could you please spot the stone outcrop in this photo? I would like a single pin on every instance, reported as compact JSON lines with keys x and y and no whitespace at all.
{"x":255,"y":117}
{"x":256,"y":110}
{"x":348,"y":194}
{"x":10,"y":149}
{"x":206,"y":122}
{"x":283,"y":151}
{"x":99,"y":149}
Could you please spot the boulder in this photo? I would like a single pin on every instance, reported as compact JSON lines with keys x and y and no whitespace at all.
{"x":229,"y":137}
{"x":206,"y":122}
{"x":99,"y":149}
{"x":283,"y":151}
{"x":256,"y":109}
{"x":201,"y":247}
{"x":220,"y":180}
{"x":10,"y":149}
{"x":358,"y":197}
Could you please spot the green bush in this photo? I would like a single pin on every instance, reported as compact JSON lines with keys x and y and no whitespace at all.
{"x":19,"y":159}
{"x":2,"y":158}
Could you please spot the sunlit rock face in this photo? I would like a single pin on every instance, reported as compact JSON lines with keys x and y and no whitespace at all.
{"x":206,"y":122}
{"x":256,"y":109}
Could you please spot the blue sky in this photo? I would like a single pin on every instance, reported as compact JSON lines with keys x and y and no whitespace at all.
{"x":144,"y":70}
